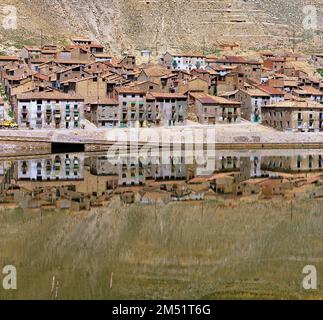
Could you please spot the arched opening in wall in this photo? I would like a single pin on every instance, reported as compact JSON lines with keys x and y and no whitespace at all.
{"x":67,"y":147}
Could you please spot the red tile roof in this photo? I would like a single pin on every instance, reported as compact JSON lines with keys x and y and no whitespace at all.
{"x":51,"y":95}
{"x":271,"y":90}
{"x":9,"y":58}
{"x":163,"y":95}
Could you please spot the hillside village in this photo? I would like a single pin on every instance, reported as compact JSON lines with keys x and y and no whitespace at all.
{"x":53,"y":87}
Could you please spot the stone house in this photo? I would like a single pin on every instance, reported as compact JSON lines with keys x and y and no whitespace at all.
{"x":310,"y":93}
{"x":192,"y":85}
{"x":186,"y":61}
{"x":318,"y":59}
{"x":104,"y":112}
{"x":276,"y":64}
{"x":30,"y":52}
{"x":172,"y":107}
{"x":211,"y":110}
{"x":302,"y":116}
{"x":132,"y":107}
{"x":252,"y":101}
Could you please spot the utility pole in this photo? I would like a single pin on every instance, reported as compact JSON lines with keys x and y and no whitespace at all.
{"x":41,"y":38}
{"x":157,"y":33}
{"x":294,"y":40}
{"x":204,"y":45}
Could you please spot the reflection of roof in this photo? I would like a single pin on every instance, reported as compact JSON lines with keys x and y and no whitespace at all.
{"x":221,"y":175}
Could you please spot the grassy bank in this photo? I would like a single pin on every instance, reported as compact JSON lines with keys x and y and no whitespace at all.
{"x":188,"y":250}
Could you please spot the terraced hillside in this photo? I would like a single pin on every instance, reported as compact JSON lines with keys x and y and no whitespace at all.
{"x":159,"y":24}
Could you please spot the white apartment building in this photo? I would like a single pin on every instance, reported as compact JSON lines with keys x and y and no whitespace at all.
{"x":49,"y":110}
{"x":188,"y":61}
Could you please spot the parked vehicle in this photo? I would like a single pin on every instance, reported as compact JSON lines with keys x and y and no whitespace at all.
{"x":8,"y":125}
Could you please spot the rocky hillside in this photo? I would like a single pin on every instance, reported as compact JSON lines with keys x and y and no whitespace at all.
{"x":164,"y":24}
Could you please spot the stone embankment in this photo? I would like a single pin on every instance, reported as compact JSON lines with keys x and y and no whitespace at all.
{"x":243,"y":136}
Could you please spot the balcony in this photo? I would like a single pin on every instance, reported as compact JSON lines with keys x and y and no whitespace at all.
{"x":48,"y":110}
{"x":76,"y":165}
{"x":57,"y":114}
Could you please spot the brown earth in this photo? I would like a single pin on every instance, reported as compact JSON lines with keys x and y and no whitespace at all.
{"x":159,"y":25}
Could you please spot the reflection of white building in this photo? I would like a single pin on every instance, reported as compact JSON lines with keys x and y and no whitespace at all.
{"x":133,"y":172}
{"x":4,"y":165}
{"x":295,"y":163}
{"x":218,"y":164}
{"x":56,"y":167}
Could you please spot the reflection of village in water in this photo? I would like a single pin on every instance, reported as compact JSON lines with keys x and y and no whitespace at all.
{"x":81,"y":181}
